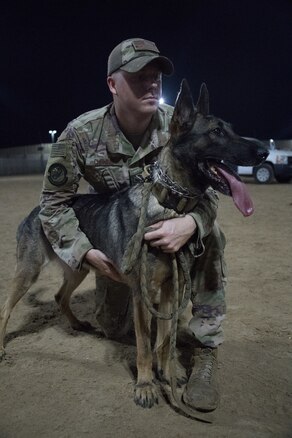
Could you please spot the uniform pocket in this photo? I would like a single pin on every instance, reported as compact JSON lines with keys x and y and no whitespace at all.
{"x":107,"y":179}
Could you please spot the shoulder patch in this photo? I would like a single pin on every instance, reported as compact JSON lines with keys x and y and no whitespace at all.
{"x":57,"y":174}
{"x":58,"y":150}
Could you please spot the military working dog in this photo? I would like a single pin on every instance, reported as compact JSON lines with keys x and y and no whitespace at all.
{"x":202,"y":152}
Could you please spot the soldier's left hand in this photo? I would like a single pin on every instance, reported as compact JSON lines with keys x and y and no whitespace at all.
{"x":170,"y":235}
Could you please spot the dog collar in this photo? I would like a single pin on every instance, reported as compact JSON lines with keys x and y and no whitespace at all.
{"x":169,"y":193}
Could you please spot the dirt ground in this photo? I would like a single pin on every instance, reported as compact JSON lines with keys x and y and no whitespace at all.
{"x":59,"y":383}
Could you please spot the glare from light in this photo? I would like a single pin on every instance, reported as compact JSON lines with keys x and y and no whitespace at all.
{"x":161,"y":100}
{"x":52,"y":132}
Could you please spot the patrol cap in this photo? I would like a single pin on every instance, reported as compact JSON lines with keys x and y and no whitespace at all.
{"x":133,"y":54}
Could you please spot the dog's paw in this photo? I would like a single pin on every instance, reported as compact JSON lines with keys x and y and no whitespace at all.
{"x":145,"y":395}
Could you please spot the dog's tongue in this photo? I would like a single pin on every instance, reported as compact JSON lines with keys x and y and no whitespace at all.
{"x":240,"y":195}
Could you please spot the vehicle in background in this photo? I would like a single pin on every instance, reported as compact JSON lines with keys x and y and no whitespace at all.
{"x":277,"y":166}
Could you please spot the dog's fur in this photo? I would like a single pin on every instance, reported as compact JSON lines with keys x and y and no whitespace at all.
{"x":197,"y":141}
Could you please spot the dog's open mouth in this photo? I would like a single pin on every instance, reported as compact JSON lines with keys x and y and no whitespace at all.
{"x":225,"y":180}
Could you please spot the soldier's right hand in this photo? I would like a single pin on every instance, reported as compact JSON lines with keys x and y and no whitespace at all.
{"x":103,"y":264}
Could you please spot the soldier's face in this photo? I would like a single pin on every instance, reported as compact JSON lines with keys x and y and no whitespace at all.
{"x":139,"y":92}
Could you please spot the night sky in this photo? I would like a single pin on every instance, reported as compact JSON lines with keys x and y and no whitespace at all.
{"x":54,"y":55}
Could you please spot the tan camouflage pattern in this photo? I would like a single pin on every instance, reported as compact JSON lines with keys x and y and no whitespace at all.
{"x":93,"y":147}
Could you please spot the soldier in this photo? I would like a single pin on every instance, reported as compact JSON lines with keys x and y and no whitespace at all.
{"x":109,"y":147}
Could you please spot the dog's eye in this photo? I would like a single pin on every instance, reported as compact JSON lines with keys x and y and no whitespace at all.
{"x":218,"y":131}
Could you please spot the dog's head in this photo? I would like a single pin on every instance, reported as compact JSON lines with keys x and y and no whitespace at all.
{"x":208,"y":148}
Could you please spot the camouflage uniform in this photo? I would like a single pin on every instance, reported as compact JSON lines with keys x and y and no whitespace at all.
{"x":93,"y":147}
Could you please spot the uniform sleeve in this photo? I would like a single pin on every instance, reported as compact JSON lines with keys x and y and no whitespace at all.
{"x":204,"y":214}
{"x":61,"y":180}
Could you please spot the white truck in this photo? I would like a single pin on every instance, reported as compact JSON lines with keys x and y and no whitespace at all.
{"x":278,"y":165}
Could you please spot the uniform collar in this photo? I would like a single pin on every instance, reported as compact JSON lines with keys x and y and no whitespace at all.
{"x":117,"y":143}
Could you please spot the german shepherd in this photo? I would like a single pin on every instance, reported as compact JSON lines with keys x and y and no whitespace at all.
{"x":202,"y":151}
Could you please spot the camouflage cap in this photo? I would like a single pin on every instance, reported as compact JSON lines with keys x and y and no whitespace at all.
{"x":133,"y":54}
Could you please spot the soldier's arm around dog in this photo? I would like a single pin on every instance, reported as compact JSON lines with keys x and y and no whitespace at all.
{"x":87,"y":148}
{"x":68,"y":162}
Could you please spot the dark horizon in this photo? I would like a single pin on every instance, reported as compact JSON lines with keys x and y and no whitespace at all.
{"x":54,"y":59}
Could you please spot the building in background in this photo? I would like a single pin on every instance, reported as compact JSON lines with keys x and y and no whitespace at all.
{"x":24,"y":160}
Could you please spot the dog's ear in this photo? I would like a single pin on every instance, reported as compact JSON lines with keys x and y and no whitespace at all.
{"x":184,"y":113}
{"x":202,"y":105}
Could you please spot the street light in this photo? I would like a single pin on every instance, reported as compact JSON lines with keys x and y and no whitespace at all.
{"x":53,"y":132}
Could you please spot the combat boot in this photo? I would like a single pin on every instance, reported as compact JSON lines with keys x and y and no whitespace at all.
{"x":201,"y":391}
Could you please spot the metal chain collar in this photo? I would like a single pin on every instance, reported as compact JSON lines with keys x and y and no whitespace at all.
{"x":156,"y":174}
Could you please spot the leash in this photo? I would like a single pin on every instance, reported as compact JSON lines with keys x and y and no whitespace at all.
{"x":186,"y":295}
{"x":131,"y":256}
{"x":134,"y":246}
{"x":176,"y":310}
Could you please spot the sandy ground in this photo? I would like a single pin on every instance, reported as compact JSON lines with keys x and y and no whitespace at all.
{"x":59,"y":383}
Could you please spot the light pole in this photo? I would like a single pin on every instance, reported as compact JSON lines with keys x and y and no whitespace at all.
{"x":52,"y":132}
